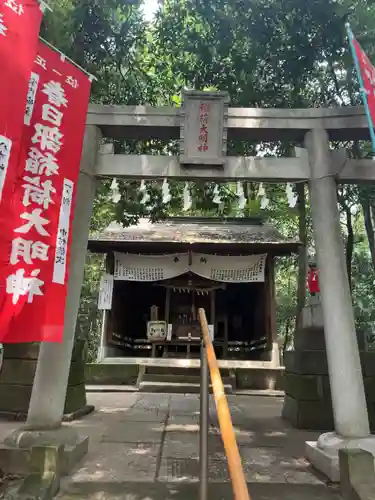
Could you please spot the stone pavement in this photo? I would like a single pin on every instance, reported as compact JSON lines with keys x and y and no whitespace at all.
{"x":146,"y":447}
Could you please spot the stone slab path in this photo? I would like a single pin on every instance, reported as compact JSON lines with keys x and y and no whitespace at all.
{"x":146,"y":447}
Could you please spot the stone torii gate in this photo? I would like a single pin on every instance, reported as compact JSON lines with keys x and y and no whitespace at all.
{"x":315,"y":164}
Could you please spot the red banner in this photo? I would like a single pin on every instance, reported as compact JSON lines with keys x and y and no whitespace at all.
{"x":35,"y":283}
{"x":19,"y":30}
{"x":367,"y":71}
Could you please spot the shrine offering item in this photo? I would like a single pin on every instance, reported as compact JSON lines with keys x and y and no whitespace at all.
{"x":366,"y":76}
{"x":156,"y":330}
{"x":313,"y":281}
{"x":35,"y":257}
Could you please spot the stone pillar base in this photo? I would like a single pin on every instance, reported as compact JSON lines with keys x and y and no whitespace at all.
{"x":307,"y":403}
{"x":324,"y":453}
{"x":17,"y":376}
{"x":16,"y":448}
{"x":312,"y":314}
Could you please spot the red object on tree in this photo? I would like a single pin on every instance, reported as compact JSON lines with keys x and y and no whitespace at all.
{"x":313,"y":281}
{"x":33,"y":285}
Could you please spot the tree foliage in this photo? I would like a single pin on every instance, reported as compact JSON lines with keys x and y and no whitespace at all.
{"x":265,"y":53}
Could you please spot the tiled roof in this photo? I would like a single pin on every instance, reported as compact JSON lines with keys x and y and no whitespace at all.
{"x":195,"y":230}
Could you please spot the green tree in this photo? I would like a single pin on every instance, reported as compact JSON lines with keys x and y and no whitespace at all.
{"x":269,"y":53}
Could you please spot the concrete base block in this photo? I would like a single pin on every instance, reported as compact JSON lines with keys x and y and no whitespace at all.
{"x":324,"y":453}
{"x":38,"y":487}
{"x":16,"y":449}
{"x":14,"y":460}
{"x":357,"y":475}
{"x":74,"y":454}
{"x":17,"y":460}
{"x":43,"y":482}
{"x":322,"y":461}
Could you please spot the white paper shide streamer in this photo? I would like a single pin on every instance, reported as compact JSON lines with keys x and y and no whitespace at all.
{"x":217,"y":198}
{"x":187,"y":198}
{"x":116,"y":195}
{"x":145,"y":194}
{"x":291,"y":196}
{"x":354,"y":209}
{"x":241,"y":196}
{"x":264,"y":201}
{"x":166,"y":192}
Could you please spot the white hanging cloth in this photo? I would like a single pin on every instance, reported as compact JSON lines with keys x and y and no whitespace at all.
{"x":116,"y":195}
{"x":166,"y":192}
{"x":187,"y":198}
{"x":132,"y":267}
{"x":291,"y":196}
{"x":229,"y":269}
{"x":222,"y":268}
{"x":241,"y":196}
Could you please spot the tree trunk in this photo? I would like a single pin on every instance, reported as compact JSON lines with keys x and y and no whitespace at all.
{"x":349,"y":244}
{"x":369,"y":229}
{"x":302,"y":254}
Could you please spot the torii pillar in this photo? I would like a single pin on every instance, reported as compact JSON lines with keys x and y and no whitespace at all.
{"x":345,"y":375}
{"x":44,"y":420}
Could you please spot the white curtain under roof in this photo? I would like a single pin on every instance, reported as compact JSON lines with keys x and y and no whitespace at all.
{"x":133,"y":267}
{"x":229,"y":269}
{"x":222,"y":268}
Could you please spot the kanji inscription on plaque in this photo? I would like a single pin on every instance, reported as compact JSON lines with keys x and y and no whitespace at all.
{"x":204,"y":128}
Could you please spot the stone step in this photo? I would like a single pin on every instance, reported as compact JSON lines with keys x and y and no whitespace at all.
{"x":176,"y":388}
{"x":179,"y":370}
{"x":180,"y":379}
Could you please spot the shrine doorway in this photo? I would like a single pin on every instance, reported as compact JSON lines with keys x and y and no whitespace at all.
{"x":236,"y":310}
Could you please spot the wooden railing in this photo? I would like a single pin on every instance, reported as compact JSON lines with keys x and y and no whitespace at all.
{"x":225,"y":420}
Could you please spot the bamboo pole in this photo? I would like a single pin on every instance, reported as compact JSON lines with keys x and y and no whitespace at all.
{"x":225,"y":420}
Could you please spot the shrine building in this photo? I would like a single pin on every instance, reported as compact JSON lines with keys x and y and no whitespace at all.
{"x":160,"y":274}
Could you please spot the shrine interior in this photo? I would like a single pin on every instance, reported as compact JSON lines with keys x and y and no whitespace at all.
{"x":237,"y":310}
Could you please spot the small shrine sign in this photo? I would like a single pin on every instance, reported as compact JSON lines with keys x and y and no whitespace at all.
{"x":105,"y":292}
{"x":203,"y":133}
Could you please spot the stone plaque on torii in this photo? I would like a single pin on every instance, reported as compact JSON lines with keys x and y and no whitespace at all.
{"x":203,"y":130}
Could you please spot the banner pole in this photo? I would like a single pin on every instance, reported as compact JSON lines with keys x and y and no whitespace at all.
{"x":362,"y":89}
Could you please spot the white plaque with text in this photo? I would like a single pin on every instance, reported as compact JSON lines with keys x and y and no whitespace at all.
{"x":105,"y":292}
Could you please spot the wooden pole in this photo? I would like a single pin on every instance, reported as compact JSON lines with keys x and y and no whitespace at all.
{"x":225,"y":420}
